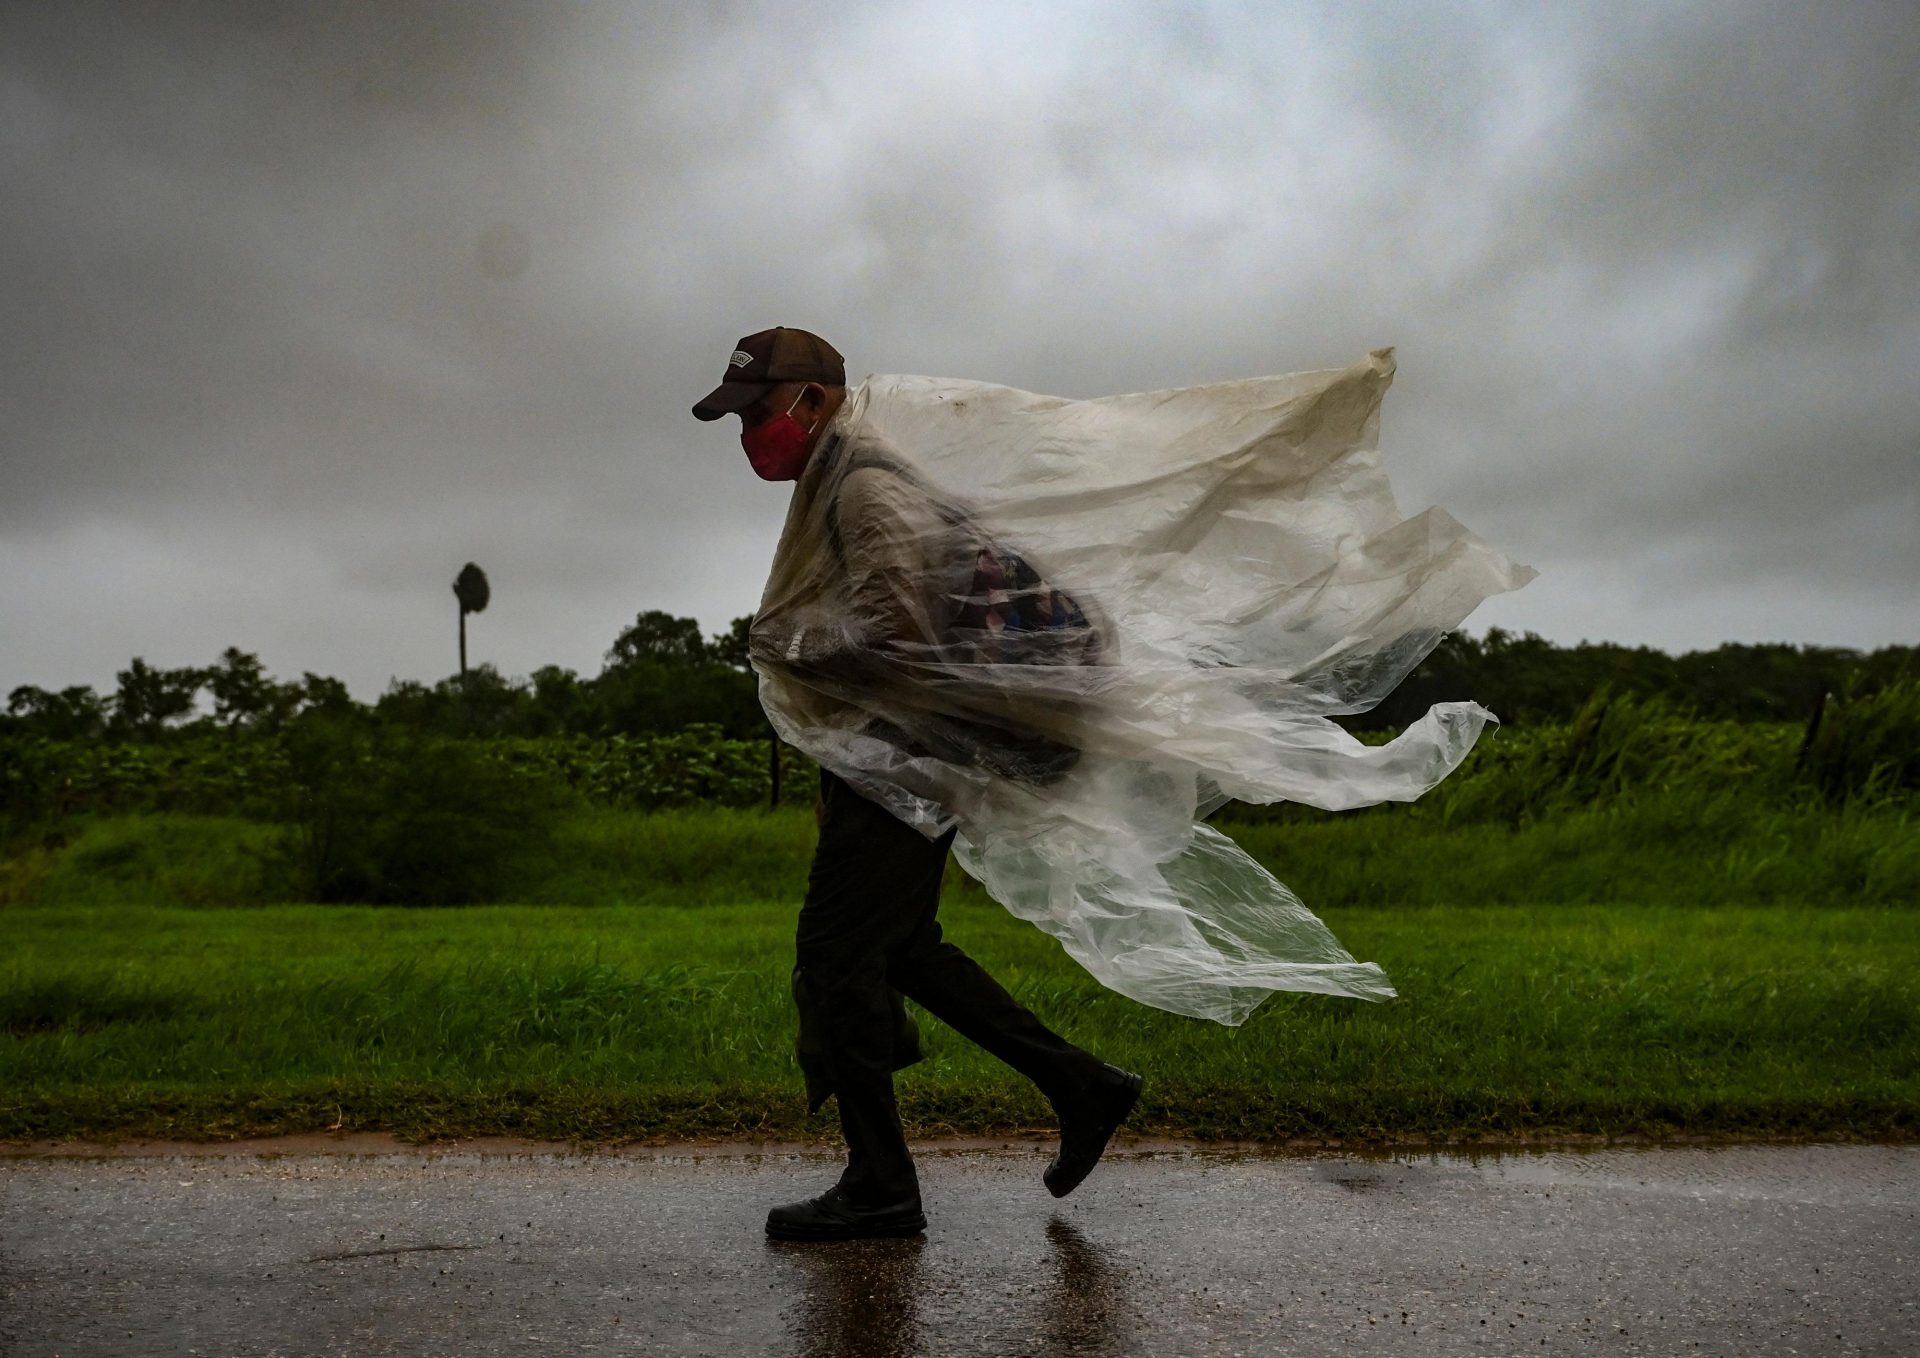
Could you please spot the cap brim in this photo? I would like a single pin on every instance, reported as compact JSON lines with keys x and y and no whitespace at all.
{"x":729,"y":398}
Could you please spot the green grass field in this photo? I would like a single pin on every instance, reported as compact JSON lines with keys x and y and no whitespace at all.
{"x":1635,"y":972}
{"x":1682,"y":848}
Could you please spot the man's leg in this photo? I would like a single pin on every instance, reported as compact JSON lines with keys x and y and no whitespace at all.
{"x":870,"y":921}
{"x":872,"y":877}
{"x":1090,"y":1097}
{"x":957,"y":990}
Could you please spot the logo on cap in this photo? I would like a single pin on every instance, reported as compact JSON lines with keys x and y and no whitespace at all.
{"x":740,"y":359}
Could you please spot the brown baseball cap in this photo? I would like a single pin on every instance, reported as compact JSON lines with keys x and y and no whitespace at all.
{"x":781,"y":354}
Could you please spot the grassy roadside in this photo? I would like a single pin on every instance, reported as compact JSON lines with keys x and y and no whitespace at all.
{"x":672,"y":1020}
{"x":1686,"y":847}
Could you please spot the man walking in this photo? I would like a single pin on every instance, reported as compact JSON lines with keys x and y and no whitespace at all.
{"x":868,"y":931}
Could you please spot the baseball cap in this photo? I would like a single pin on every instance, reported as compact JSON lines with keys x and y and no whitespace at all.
{"x":781,"y":354}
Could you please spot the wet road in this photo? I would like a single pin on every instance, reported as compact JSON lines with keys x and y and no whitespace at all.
{"x":1742,"y":1250}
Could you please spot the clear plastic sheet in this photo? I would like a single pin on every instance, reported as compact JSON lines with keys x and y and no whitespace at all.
{"x":1074,"y":628}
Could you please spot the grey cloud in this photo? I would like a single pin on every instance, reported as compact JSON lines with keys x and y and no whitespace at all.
{"x":338,"y":297}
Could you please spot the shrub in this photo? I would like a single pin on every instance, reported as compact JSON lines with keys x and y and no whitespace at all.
{"x":43,"y":781}
{"x":1617,"y":747}
{"x":387,"y":819}
{"x":1867,"y":747}
{"x":694,"y":767}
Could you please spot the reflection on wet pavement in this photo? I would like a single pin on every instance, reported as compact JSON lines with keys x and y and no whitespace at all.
{"x":857,"y":1296}
{"x":863,"y":1297}
{"x":1081,"y":1312}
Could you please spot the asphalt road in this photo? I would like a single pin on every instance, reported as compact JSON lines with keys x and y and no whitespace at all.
{"x":1742,"y":1250}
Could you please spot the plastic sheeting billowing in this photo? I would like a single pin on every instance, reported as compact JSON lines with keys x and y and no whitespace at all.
{"x":1074,"y":628}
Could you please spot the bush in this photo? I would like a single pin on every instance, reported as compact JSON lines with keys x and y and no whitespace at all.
{"x":694,"y":767}
{"x":1618,"y":747}
{"x":1867,"y":748}
{"x":404,"y":820}
{"x":204,"y":774}
{"x":44,"y":781}
{"x":163,"y":859}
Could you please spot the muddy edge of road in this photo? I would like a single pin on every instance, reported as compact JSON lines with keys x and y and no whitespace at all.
{"x":386,"y":1143}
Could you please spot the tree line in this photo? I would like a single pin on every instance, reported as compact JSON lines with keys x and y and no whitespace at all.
{"x":662,"y":674}
{"x":1527,"y":680}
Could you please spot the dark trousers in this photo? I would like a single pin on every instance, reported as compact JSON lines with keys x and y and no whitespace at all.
{"x":869,"y":925}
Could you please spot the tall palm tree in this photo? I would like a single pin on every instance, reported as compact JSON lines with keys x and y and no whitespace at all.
{"x":473,"y":592}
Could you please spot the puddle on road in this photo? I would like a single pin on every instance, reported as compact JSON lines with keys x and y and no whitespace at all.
{"x":1822,"y":1174}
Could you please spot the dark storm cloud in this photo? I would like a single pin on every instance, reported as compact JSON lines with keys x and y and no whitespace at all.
{"x":309,"y":304}
{"x":254,"y":240}
{"x":1730,"y":225}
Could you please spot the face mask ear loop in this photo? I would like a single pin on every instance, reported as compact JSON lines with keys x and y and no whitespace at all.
{"x":796,"y":401}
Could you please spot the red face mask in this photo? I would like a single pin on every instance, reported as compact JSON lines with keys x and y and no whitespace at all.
{"x":777,"y":447}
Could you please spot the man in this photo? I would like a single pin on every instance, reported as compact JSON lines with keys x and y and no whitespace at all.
{"x":867,"y":930}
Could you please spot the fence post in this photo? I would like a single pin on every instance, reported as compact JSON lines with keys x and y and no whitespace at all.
{"x":773,"y":767}
{"x":1813,"y":730}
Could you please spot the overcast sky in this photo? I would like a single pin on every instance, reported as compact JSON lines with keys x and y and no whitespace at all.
{"x":306,"y":305}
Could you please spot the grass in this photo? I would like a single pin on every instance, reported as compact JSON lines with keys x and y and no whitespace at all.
{"x":1690,"y":848}
{"x":1687,"y":847}
{"x":1687,"y":958}
{"x":655,"y":1019}
{"x":176,"y":859}
{"x":1632,"y":924}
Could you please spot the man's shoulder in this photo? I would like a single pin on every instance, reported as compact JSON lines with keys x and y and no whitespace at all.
{"x":869,"y":480}
{"x":867,"y":452}
{"x":873,"y":476}
{"x":878,"y":502}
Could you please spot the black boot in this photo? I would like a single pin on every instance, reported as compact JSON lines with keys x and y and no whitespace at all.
{"x":1088,"y":1120}
{"x":879,"y":1193}
{"x":833,"y":1216}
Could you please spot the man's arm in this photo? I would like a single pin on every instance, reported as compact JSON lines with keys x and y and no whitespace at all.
{"x":891,"y":542}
